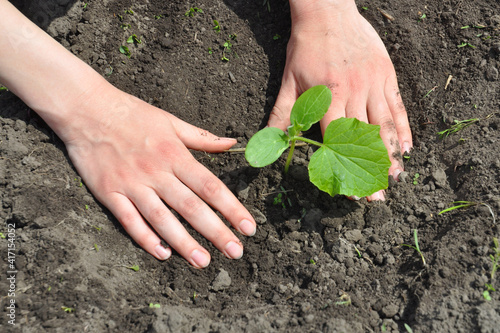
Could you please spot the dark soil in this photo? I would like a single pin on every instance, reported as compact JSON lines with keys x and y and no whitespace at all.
{"x":301,"y":272}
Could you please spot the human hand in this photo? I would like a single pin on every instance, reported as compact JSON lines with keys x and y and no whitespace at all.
{"x":133,"y":157}
{"x":337,"y":47}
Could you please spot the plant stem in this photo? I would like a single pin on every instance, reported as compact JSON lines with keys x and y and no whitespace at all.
{"x":292,"y":148}
{"x":290,"y":155}
{"x":301,"y":138}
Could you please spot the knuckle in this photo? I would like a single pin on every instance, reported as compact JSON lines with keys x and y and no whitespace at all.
{"x":128,"y":220}
{"x":190,"y":206}
{"x":159,"y":214}
{"x":211,"y":187}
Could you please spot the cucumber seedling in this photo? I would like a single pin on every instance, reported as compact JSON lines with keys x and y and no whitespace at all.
{"x":352,"y":160}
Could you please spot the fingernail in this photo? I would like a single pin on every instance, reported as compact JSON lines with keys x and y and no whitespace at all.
{"x":233,"y":250}
{"x":247,"y":227}
{"x":162,"y":252}
{"x":406,"y":147}
{"x":396,"y":173}
{"x":377,"y":196}
{"x":200,"y":259}
{"x":226,"y":139}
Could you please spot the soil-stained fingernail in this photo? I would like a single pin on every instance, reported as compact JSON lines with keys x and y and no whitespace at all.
{"x":247,"y":227}
{"x":406,"y":147}
{"x":396,"y":173}
{"x":233,"y":250}
{"x":162,"y":252}
{"x":200,"y":259}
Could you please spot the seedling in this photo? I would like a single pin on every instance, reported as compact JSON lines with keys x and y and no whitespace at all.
{"x":2,"y":88}
{"x":486,"y":295}
{"x":85,"y":4}
{"x":457,"y":127}
{"x":192,"y":11}
{"x":276,"y":37}
{"x":216,"y":26}
{"x":429,"y":92}
{"x":124,"y":50}
{"x":67,"y":309}
{"x":467,"y":204}
{"x":352,"y":160}
{"x":134,"y":39}
{"x":415,"y":178}
{"x":422,"y":17}
{"x":266,"y":2}
{"x":312,"y":261}
{"x":464,"y":44}
{"x":2,"y":235}
{"x":135,"y":268}
{"x":154,"y":305}
{"x":129,"y":11}
{"x":96,"y":247}
{"x":125,"y":26}
{"x":416,"y":247}
{"x":97,"y":228}
{"x":157,"y":17}
{"x":281,"y":198}
{"x":364,"y":8}
{"x":408,"y":328}
{"x":210,"y":50}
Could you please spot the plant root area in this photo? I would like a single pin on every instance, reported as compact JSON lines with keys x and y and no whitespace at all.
{"x":316,"y":263}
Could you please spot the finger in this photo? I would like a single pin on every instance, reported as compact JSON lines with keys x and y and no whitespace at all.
{"x":200,"y":216}
{"x":356,"y":108}
{"x":379,"y":114}
{"x":211,"y":189}
{"x":280,"y":114}
{"x":399,"y":114}
{"x":337,"y":108}
{"x":169,"y":228}
{"x":380,"y":196}
{"x":197,"y":138}
{"x":135,"y":226}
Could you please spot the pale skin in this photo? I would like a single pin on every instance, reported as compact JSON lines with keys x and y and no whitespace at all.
{"x":134,"y":157}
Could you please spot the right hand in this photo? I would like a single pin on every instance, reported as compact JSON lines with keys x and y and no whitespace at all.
{"x":134,"y":158}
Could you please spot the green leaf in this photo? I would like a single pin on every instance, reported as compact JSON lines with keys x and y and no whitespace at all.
{"x":266,"y":146}
{"x":310,"y":107}
{"x":353,"y":159}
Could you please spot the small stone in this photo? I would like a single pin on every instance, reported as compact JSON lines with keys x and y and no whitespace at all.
{"x":353,"y":235}
{"x":390,"y":310}
{"x":440,"y":178}
{"x":258,"y":216}
{"x":403,"y":177}
{"x":221,"y":281}
{"x":231,"y":77}
{"x":491,"y":73}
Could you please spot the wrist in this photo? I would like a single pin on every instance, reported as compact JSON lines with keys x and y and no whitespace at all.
{"x":314,"y":14}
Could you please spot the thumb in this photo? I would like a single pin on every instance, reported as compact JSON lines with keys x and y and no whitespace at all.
{"x":280,"y":114}
{"x":197,"y":138}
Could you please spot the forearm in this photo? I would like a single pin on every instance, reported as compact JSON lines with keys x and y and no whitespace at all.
{"x":46,"y":76}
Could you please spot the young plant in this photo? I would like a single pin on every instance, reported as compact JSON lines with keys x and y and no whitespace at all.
{"x":216,"y":27}
{"x":457,"y":127}
{"x":192,"y":11}
{"x":352,"y":160}
{"x":468,"y":204}
{"x":134,"y":40}
{"x":416,"y":247}
{"x":124,"y":50}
